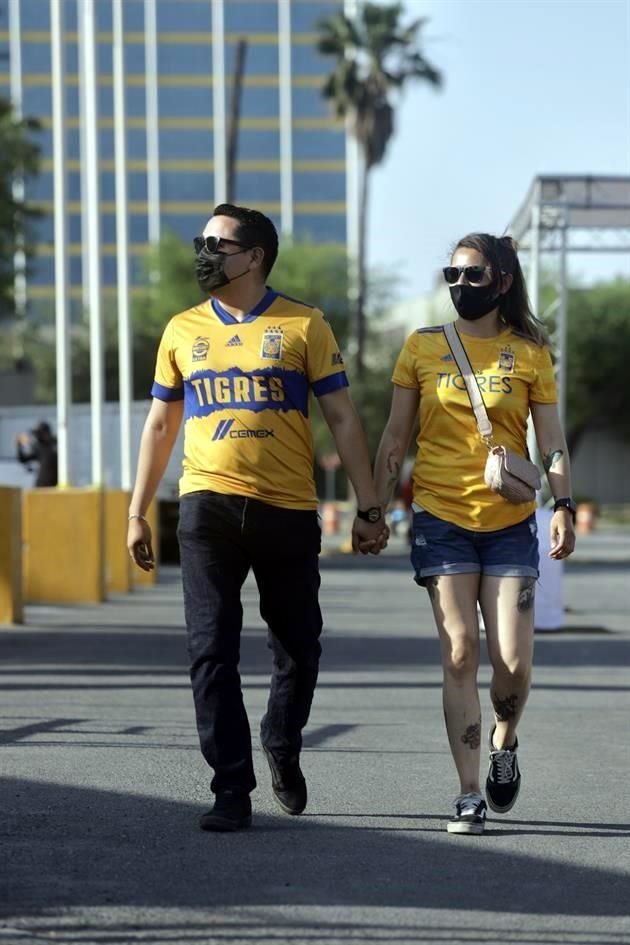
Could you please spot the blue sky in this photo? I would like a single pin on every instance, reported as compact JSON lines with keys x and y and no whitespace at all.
{"x":531,"y":87}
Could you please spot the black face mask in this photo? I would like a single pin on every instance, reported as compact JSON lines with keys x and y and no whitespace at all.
{"x":473,"y":302}
{"x":210,"y":271}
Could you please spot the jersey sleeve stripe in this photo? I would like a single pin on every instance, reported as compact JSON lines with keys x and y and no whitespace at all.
{"x":166,"y":393}
{"x":328,"y":384}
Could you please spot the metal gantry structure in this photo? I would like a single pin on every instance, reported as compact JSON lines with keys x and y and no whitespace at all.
{"x":565,"y":214}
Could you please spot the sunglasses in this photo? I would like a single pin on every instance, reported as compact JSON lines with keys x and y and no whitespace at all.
{"x":212,"y":243}
{"x":473,"y":274}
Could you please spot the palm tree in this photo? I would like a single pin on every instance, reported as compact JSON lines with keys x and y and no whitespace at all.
{"x":375,"y":57}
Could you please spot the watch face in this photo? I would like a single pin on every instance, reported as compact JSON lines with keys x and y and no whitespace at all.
{"x":374,"y":515}
{"x":567,"y":504}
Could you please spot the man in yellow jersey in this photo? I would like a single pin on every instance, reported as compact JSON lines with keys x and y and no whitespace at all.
{"x":239,"y":368}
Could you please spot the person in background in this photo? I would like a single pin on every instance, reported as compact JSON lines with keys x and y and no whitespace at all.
{"x":240,"y":368}
{"x":39,"y":446}
{"x":470,"y":545}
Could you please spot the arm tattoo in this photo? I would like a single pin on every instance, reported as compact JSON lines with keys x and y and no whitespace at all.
{"x":393,"y":468}
{"x":551,"y":459}
{"x":472,"y":735}
{"x":504,"y":709}
{"x":526,"y":595}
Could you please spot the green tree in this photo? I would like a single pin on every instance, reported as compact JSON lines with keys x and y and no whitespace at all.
{"x":19,"y":158}
{"x":376,"y":56}
{"x":598,"y":354}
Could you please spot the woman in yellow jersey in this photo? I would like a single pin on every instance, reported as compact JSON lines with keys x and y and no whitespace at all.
{"x":470,"y":545}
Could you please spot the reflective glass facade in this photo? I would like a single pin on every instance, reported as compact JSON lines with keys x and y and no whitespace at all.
{"x":186,"y":122}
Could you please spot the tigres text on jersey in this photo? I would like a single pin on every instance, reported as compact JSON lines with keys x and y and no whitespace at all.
{"x":512,"y":372}
{"x":246,"y":389}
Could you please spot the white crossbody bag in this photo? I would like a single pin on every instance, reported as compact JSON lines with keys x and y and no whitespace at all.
{"x":513,"y":476}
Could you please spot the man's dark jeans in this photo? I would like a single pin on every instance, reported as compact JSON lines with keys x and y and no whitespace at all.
{"x":220,"y":538}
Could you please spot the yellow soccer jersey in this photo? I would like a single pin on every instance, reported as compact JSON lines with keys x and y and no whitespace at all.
{"x":245,"y":387}
{"x":512,"y":372}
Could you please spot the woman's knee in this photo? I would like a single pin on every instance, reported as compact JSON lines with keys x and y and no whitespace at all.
{"x":514,"y":671}
{"x":461,"y":658}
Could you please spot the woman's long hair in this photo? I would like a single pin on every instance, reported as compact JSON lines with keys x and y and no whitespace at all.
{"x":514,"y":308}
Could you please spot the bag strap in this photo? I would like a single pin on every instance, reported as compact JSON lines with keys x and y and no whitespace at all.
{"x":470,"y":380}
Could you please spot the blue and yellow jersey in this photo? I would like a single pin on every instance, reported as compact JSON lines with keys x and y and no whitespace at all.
{"x":246,"y":389}
{"x":512,"y":372}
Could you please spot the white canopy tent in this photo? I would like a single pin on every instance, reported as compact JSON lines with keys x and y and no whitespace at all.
{"x":566,"y":214}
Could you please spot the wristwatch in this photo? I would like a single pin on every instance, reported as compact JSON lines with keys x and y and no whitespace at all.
{"x":565,"y":504}
{"x":370,"y":515}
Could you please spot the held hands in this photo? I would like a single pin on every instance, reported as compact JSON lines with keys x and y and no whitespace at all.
{"x":369,"y":538}
{"x":139,"y":544}
{"x":562,"y":535}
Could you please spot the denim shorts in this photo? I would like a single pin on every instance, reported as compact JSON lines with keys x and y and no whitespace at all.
{"x":439,"y":547}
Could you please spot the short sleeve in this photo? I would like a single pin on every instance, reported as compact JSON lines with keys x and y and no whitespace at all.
{"x":543,"y":388}
{"x":324,"y":363}
{"x":168,"y":383}
{"x":405,"y":373}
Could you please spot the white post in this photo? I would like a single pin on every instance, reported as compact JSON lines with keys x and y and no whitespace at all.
{"x":534,"y":255}
{"x":92,"y":236}
{"x":152,"y":117}
{"x":534,"y":297}
{"x":62,"y":313}
{"x":353,"y":199}
{"x":562,"y":321}
{"x":17,"y":186}
{"x":85,"y":246}
{"x":219,"y":136}
{"x":125,"y":371}
{"x":286,"y":117}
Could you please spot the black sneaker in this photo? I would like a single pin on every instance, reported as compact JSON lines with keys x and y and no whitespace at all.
{"x":470,"y":814}
{"x":287,"y":782}
{"x":504,"y":778}
{"x":231,"y":811}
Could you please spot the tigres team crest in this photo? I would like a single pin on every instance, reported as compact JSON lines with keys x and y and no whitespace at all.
{"x":200,"y":349}
{"x":272,"y":344}
{"x":506,"y":360}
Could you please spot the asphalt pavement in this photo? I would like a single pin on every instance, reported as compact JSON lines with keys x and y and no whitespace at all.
{"x":102,"y":782}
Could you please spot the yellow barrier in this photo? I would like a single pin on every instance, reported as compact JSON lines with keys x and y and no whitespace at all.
{"x":63,"y":551}
{"x":117,"y":561}
{"x":10,"y":555}
{"x":148,"y":578}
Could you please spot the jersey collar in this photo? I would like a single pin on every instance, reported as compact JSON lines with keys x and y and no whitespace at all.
{"x":262,"y":306}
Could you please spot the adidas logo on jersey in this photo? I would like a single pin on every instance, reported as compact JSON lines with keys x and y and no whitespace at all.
{"x":234,"y":342}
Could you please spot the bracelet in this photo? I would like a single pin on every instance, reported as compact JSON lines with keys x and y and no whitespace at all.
{"x":141,"y":517}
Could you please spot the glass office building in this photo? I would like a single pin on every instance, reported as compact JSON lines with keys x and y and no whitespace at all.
{"x":180,"y":59}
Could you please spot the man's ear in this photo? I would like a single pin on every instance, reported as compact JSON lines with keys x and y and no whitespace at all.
{"x":258,"y":256}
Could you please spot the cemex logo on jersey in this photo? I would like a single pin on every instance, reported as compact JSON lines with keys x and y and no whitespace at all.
{"x":224,"y":428}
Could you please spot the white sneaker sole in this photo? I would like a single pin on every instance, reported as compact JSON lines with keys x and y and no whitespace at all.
{"x":465,"y":827}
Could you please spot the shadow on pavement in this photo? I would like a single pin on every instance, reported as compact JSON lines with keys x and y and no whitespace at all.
{"x":93,"y":659}
{"x":84,"y":848}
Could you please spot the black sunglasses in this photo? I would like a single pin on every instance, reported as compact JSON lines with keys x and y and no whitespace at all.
{"x":473,"y":274}
{"x":212,"y":243}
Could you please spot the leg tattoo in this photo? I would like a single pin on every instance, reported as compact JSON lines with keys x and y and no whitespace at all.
{"x":526,"y":595}
{"x":472,"y":735}
{"x":504,"y":709}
